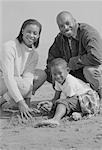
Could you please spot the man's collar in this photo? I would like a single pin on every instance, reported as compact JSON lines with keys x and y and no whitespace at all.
{"x":76,"y":35}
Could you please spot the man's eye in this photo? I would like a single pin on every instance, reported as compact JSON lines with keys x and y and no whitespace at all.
{"x":28,"y":32}
{"x":67,"y":23}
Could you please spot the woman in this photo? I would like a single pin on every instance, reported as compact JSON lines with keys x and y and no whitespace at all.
{"x":18,"y":60}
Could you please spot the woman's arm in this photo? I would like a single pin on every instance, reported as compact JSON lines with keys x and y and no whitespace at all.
{"x":31,"y":65}
{"x":7,"y":59}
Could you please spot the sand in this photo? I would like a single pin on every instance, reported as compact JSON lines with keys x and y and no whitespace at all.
{"x":84,"y":134}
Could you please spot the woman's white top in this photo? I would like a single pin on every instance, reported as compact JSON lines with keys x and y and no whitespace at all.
{"x":16,"y":60}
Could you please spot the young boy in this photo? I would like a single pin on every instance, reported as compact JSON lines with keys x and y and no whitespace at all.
{"x":77,"y":95}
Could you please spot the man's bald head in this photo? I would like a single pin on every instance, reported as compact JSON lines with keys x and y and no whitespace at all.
{"x":63,"y":14}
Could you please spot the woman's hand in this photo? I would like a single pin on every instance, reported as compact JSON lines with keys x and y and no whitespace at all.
{"x":45,"y":105}
{"x":25,"y":111}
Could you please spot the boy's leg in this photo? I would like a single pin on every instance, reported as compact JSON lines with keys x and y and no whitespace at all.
{"x":64,"y":106}
{"x":60,"y":112}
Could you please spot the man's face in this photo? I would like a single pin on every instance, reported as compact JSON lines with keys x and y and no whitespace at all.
{"x":66,"y":24}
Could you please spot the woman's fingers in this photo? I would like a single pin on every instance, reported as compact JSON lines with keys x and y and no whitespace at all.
{"x":27,"y":115}
{"x":21,"y":115}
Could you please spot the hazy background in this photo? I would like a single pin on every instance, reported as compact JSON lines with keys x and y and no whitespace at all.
{"x":14,"y":13}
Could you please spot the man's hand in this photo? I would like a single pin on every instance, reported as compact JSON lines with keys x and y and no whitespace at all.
{"x":75,"y":63}
{"x":25,"y":111}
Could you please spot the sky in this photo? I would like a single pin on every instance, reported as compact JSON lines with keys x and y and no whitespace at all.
{"x":14,"y":13}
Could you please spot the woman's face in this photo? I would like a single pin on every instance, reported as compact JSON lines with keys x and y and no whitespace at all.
{"x":30,"y":34}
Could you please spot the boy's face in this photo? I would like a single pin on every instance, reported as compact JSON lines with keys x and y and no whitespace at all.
{"x":59,"y":73}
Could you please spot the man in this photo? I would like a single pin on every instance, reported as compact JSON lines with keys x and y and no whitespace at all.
{"x":81,"y":46}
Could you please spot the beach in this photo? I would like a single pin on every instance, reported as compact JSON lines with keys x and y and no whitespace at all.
{"x":85,"y":134}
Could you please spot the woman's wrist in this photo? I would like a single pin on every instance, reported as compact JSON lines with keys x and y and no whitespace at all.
{"x":21,"y":102}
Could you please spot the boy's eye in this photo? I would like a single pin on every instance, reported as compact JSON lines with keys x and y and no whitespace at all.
{"x":56,"y":74}
{"x":28,"y":31}
{"x":61,"y":26}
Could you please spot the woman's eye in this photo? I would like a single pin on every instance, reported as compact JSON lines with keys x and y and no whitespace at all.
{"x":28,"y":32}
{"x":35,"y":33}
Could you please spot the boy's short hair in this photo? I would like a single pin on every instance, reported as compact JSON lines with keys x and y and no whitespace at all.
{"x":58,"y":62}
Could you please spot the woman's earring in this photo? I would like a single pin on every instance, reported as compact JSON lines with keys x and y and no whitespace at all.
{"x":22,"y":32}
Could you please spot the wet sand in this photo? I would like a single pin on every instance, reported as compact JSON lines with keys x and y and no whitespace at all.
{"x":84,"y":134}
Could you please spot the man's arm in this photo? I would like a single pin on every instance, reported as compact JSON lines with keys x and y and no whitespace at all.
{"x":54,"y":52}
{"x":92,"y":43}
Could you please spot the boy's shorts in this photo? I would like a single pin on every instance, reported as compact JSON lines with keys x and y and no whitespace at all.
{"x":87,"y":103}
{"x":72,"y":104}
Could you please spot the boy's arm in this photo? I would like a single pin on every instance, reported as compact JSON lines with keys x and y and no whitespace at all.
{"x":56,"y":96}
{"x":48,"y":104}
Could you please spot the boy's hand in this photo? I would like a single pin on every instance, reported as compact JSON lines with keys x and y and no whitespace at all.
{"x":45,"y":105}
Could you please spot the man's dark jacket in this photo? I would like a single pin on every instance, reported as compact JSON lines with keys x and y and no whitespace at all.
{"x":85,"y":49}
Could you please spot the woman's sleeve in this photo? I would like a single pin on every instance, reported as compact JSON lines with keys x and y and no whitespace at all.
{"x":31,"y":65}
{"x":7,"y":59}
